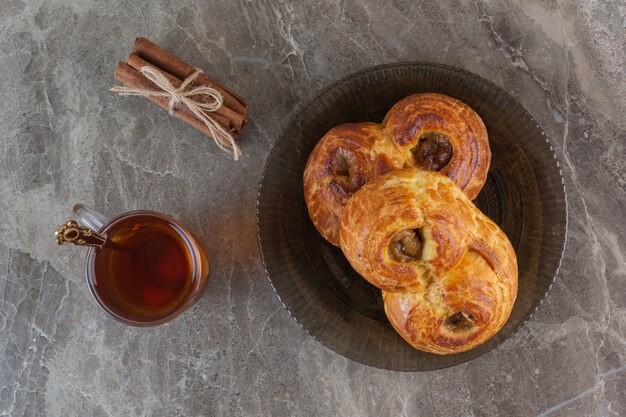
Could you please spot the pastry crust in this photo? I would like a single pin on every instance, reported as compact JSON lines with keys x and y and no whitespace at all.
{"x":366,"y":152}
{"x":416,"y":115}
{"x":461,"y":288}
{"x":351,"y":155}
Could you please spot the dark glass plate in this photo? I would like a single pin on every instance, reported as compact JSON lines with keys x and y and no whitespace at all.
{"x":524,"y":195}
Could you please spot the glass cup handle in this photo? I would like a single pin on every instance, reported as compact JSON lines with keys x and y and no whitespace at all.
{"x":88,"y":217}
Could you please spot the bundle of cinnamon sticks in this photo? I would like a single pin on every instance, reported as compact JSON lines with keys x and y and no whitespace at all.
{"x":231,"y":115}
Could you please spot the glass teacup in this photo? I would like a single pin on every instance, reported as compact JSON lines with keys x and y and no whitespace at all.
{"x":143,"y":268}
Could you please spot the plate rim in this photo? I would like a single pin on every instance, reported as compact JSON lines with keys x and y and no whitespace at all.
{"x":300,"y":109}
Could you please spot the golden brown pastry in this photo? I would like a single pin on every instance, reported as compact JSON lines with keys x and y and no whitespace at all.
{"x":448,"y":273}
{"x":430,"y":131}
{"x":438,"y":133}
{"x":346,"y":158}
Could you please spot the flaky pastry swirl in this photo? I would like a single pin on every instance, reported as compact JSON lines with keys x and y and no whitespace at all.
{"x":448,"y":273}
{"x":430,"y":131}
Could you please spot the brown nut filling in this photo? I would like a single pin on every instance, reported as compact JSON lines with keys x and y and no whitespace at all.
{"x":406,"y":246}
{"x":433,"y":151}
{"x":459,"y":321}
{"x":340,"y":166}
{"x":342,"y":173}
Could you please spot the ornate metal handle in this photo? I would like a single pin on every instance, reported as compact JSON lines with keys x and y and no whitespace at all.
{"x":72,"y":232}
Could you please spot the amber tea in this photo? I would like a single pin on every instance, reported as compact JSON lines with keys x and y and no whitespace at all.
{"x":148,"y":270}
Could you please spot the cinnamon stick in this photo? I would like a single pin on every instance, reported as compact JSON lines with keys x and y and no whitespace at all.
{"x":130,"y":77}
{"x":159,"y":57}
{"x":235,"y":121}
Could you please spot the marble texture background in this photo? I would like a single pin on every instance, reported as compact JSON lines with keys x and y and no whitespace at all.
{"x":64,"y":138}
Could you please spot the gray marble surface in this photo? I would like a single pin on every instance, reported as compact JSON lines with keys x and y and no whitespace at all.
{"x":64,"y":138}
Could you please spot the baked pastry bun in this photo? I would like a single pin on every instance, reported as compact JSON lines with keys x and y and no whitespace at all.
{"x":346,"y":158}
{"x":429,"y":131}
{"x":448,"y":273}
{"x":435,"y":132}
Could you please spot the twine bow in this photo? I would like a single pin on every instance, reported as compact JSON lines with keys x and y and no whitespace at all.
{"x":182,"y":95}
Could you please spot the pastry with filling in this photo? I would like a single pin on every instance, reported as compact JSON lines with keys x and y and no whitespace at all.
{"x":447,"y":272}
